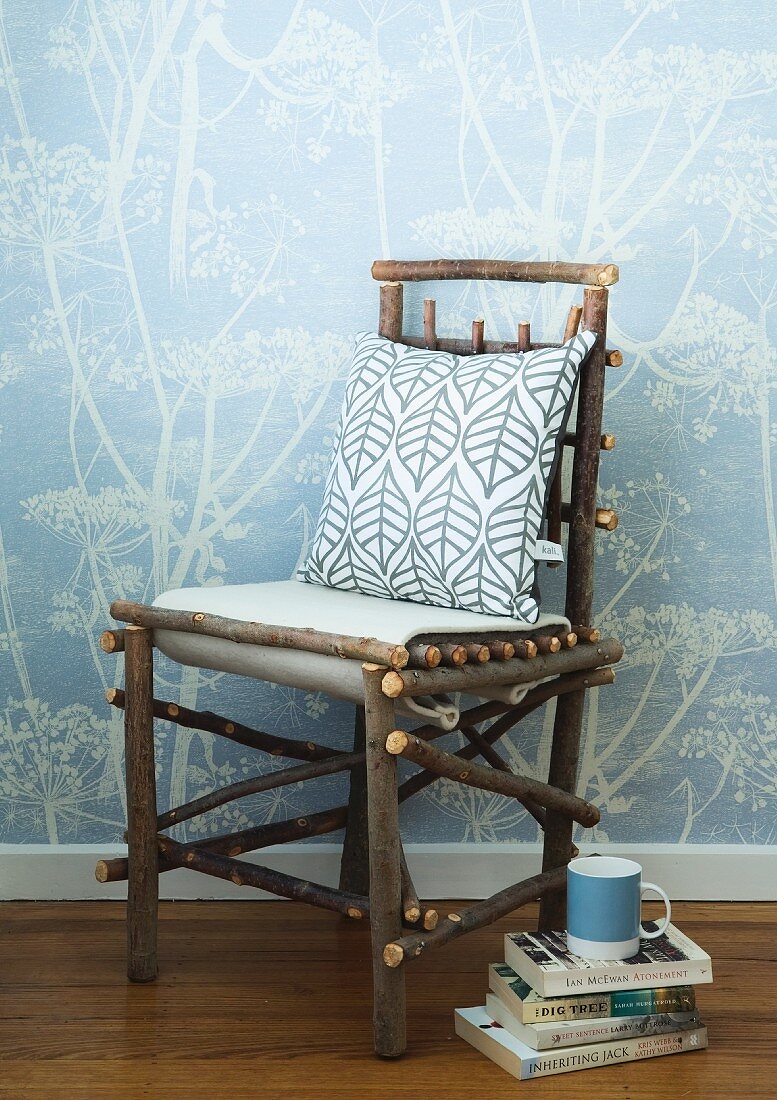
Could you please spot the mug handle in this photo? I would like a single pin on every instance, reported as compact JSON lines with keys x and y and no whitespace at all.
{"x":646,"y":886}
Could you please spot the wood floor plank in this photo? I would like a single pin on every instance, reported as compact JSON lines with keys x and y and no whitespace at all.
{"x":272,"y":999}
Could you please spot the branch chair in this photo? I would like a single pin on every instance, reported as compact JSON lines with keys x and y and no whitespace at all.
{"x":562,"y":662}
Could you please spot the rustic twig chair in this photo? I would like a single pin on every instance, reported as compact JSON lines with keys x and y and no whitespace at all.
{"x":374,"y":880}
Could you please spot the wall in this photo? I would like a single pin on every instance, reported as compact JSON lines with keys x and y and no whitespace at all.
{"x":191,"y":195}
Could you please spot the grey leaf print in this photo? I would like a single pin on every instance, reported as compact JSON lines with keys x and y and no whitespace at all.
{"x":373,"y":359}
{"x":511,"y":534}
{"x":366,"y":434}
{"x":347,"y":569}
{"x":475,"y":379}
{"x":415,"y":578}
{"x":501,"y":443}
{"x":476,"y":581}
{"x":408,"y":382}
{"x":428,"y":437}
{"x":447,"y":522}
{"x":381,"y":519}
{"x":550,"y":383}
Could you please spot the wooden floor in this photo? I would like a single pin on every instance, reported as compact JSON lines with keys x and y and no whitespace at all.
{"x":269,"y":999}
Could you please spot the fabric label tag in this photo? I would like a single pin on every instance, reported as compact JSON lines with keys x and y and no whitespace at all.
{"x":548,"y":551}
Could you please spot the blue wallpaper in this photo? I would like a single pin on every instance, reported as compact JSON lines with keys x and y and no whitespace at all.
{"x":191,"y":194}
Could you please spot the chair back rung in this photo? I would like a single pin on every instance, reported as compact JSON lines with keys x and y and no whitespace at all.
{"x":506,"y":271}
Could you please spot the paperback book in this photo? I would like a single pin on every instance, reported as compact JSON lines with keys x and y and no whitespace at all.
{"x":486,"y":1035}
{"x":578,"y":1032}
{"x":529,"y":1007}
{"x":542,"y":960}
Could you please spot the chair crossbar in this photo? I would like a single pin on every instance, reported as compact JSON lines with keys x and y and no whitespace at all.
{"x":492,"y":757}
{"x":264,"y":878}
{"x":606,"y":443}
{"x":471,"y":677}
{"x":231,"y":730}
{"x":613,"y":357}
{"x":368,"y":650}
{"x":245,"y":840}
{"x":513,"y":271}
{"x":257,"y":785}
{"x":283,"y":637}
{"x":488,"y":752}
{"x":534,"y":699}
{"x":448,"y":766}
{"x":276,"y":832}
{"x":605,"y":519}
{"x":478,"y":915}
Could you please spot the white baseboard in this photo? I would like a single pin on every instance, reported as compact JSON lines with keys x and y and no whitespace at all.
{"x":688,"y":872}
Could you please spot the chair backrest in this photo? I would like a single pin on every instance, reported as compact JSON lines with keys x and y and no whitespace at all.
{"x":586,"y":440}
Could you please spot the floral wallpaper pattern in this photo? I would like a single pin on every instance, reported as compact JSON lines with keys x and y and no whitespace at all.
{"x":191,"y":194}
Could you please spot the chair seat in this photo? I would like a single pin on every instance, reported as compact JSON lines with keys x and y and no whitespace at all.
{"x":294,"y":603}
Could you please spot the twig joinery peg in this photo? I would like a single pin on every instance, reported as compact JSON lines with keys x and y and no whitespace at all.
{"x":424,"y":656}
{"x":430,"y":323}
{"x":478,"y":332}
{"x":453,"y":654}
{"x":573,"y":322}
{"x":478,"y":653}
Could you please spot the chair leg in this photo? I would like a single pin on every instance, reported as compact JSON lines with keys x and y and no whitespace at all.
{"x":355,"y":861}
{"x":385,"y":876}
{"x":562,"y":773}
{"x":143,"y":873}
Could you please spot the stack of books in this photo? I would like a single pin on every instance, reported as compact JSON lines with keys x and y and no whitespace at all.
{"x":549,"y":1011}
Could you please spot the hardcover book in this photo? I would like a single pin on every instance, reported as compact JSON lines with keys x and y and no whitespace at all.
{"x":477,"y":1028}
{"x":530,"y":1008}
{"x":542,"y":960}
{"x":578,"y":1032}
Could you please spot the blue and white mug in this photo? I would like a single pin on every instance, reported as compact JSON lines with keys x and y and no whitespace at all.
{"x":604,"y":896}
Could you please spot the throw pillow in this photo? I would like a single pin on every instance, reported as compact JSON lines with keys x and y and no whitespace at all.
{"x":441,"y":467}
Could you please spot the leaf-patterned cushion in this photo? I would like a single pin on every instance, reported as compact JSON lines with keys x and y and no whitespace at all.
{"x":440,"y":473}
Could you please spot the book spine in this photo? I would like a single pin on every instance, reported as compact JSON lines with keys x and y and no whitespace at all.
{"x":564,"y":1009}
{"x":650,"y":1002}
{"x":644,"y":976}
{"x":644,"y":1002}
{"x":615,"y":1028}
{"x":602,"y":1054}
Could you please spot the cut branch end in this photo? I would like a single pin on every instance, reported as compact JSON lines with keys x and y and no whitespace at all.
{"x":393,"y":955}
{"x":392,"y":685}
{"x":112,"y":641}
{"x":608,"y":275}
{"x":397,"y":742}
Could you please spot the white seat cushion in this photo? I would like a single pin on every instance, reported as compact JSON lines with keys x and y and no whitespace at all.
{"x":294,"y":603}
